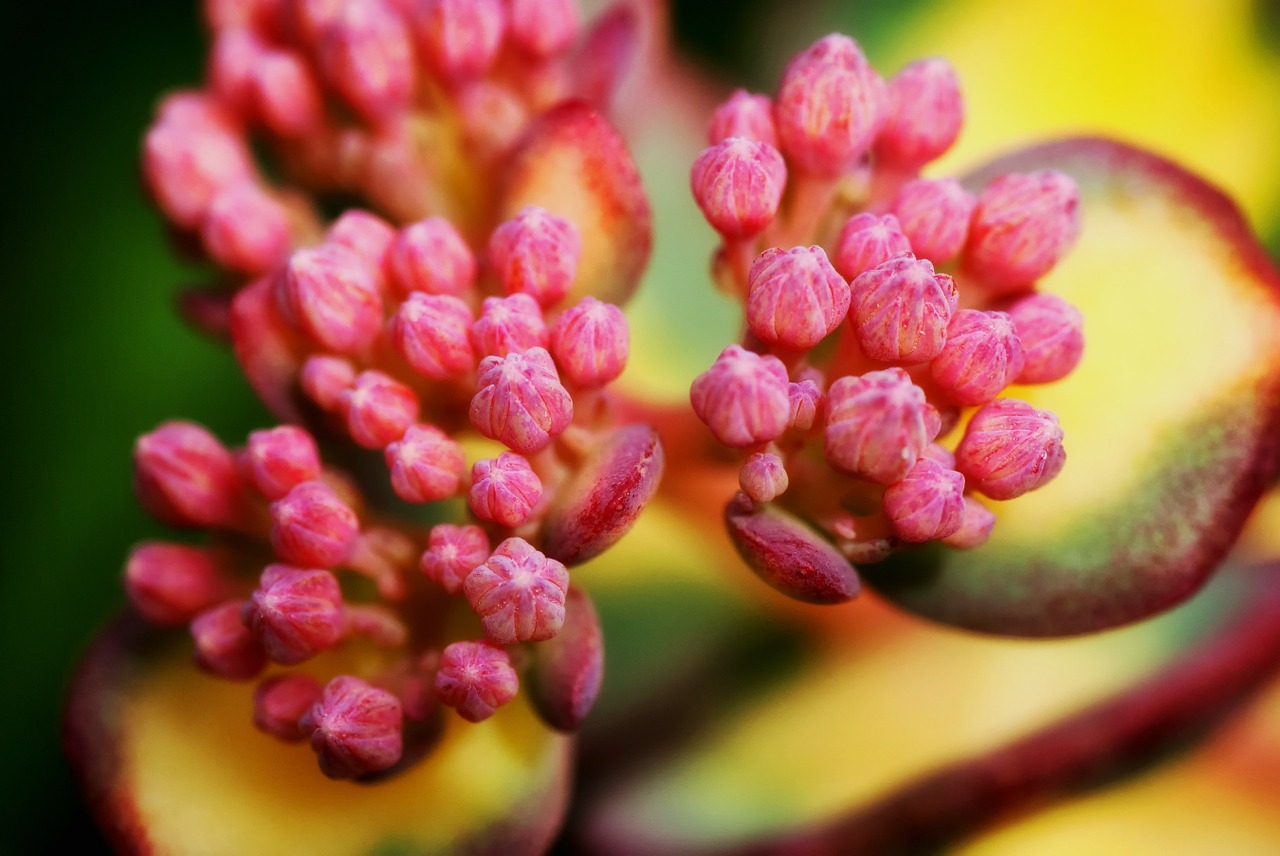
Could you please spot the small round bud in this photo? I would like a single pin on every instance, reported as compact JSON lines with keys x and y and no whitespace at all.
{"x":1023,"y":224}
{"x":278,"y":459}
{"x":934,"y":215}
{"x":763,"y":477}
{"x":366,"y":55}
{"x":224,"y":646}
{"x":867,"y":241}
{"x":244,"y":229}
{"x":542,"y":28}
{"x":325,"y":378}
{"x":982,"y":356}
{"x":452,"y":553}
{"x":311,"y":527}
{"x":459,"y":38}
{"x":378,"y":409}
{"x":169,"y":584}
{"x":1052,"y":335}
{"x":926,"y":504}
{"x":286,"y":96}
{"x":509,"y":325}
{"x":432,"y":256}
{"x":796,"y":297}
{"x":426,"y":464}
{"x":900,"y":310}
{"x":738,"y":184}
{"x":476,"y":678}
{"x":536,"y":253}
{"x":186,"y":164}
{"x":432,"y":333}
{"x":1010,"y":448}
{"x":279,"y":704}
{"x":742,"y":398}
{"x":366,"y":235}
{"x":804,"y":400}
{"x":295,"y":613}
{"x":504,"y":490}
{"x":330,"y":294}
{"x":518,"y":593}
{"x":590,"y":342}
{"x":355,"y":728}
{"x":875,"y":425}
{"x":520,"y":402}
{"x":975,"y":526}
{"x":925,"y":112}
{"x":743,"y":115}
{"x":184,"y":477}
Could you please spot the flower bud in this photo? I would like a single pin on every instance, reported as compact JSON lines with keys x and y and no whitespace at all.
{"x":426,"y":464}
{"x":431,"y":256}
{"x":975,"y":526}
{"x":295,"y":613}
{"x":332,"y":297}
{"x":743,"y":115}
{"x":900,"y":310}
{"x":804,"y":400}
{"x":244,"y":229}
{"x":542,"y":28}
{"x":378,"y":409}
{"x":459,"y":38}
{"x":1052,"y":335}
{"x":285,"y":95}
{"x":169,"y":584}
{"x":590,"y":342}
{"x":518,"y":593}
{"x":504,"y":490}
{"x":311,"y":527}
{"x":184,"y":477}
{"x":796,"y":297}
{"x":366,"y":235}
{"x":925,"y":112}
{"x":279,"y":704}
{"x":738,"y":184}
{"x":224,"y":646}
{"x":185,"y":165}
{"x":324,"y":378}
{"x":366,"y":55}
{"x":875,"y":425}
{"x":355,"y":728}
{"x":926,"y":504}
{"x":867,"y":241}
{"x":536,"y":253}
{"x":278,"y":459}
{"x":476,"y":678}
{"x":982,"y":356}
{"x":742,"y":398}
{"x":763,"y":477}
{"x":1010,"y":448}
{"x":432,"y":333}
{"x":509,"y":325}
{"x":452,"y":553}
{"x":934,"y":215}
{"x":1023,"y":224}
{"x":520,"y":402}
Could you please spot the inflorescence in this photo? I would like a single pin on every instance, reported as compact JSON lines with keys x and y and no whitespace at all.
{"x":883,"y":311}
{"x":452,"y":332}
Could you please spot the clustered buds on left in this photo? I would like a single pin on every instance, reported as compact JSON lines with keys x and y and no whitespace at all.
{"x":463,"y":325}
{"x":884,"y":312}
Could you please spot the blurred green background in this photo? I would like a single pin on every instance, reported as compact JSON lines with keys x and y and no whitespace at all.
{"x":95,"y":352}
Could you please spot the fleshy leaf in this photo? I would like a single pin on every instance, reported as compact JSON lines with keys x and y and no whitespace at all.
{"x":606,"y":494}
{"x":1171,"y":419}
{"x":567,"y":669}
{"x":789,"y":555}
{"x":170,"y":764}
{"x":574,"y":164}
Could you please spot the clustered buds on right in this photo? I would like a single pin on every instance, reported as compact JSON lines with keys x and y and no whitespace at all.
{"x":885,"y":313}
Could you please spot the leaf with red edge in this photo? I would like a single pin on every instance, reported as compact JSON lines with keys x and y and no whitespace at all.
{"x":1171,"y":419}
{"x":567,"y":669}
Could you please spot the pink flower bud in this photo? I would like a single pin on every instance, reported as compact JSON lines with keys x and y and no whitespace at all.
{"x":170,"y":583}
{"x":924,"y":116}
{"x":245,"y":230}
{"x":426,"y":464}
{"x":1052,"y":334}
{"x":279,"y":704}
{"x":355,"y":728}
{"x":431,"y":256}
{"x":330,"y":294}
{"x":940,"y":455}
{"x":311,"y":527}
{"x":536,"y":253}
{"x":982,"y":356}
{"x":875,"y":425}
{"x":378,"y":409}
{"x":763,"y":477}
{"x":927,"y":504}
{"x":184,"y":477}
{"x":295,"y":613}
{"x":742,"y":398}
{"x":743,"y":115}
{"x":542,"y":28}
{"x":900,"y":310}
{"x":520,"y":402}
{"x":868,"y":241}
{"x":975,"y":526}
{"x":509,"y":325}
{"x":185,"y":165}
{"x":796,"y":297}
{"x":804,"y":400}
{"x":234,"y":54}
{"x":285,"y":95}
{"x":1010,"y":448}
{"x":224,"y":646}
{"x":459,"y":38}
{"x":934,"y":214}
{"x":366,"y":235}
{"x":325,"y":378}
{"x":432,"y":333}
{"x":738,"y":184}
{"x":366,"y":55}
{"x":590,"y":342}
{"x":504,"y":490}
{"x":476,"y":678}
{"x":1023,"y":224}
{"x":452,"y":552}
{"x":518,"y":593}
{"x":278,"y":459}
{"x":830,"y":106}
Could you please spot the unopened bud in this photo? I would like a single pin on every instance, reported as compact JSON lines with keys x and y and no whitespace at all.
{"x":509,"y":325}
{"x":796,"y":297}
{"x":476,"y":678}
{"x":1010,"y":448}
{"x":738,"y":184}
{"x":295,"y":613}
{"x":431,"y":256}
{"x":1052,"y":335}
{"x":926,"y":504}
{"x":924,"y":115}
{"x":355,"y":728}
{"x":875,"y":425}
{"x":982,"y":356}
{"x":900,"y":310}
{"x":378,"y":409}
{"x":224,"y":646}
{"x":171,"y":583}
{"x":763,"y":477}
{"x":536,"y":253}
{"x":459,"y":38}
{"x":279,"y":704}
{"x":934,"y":215}
{"x":504,"y":490}
{"x":184,"y":477}
{"x":452,"y":553}
{"x":278,"y":459}
{"x":590,"y":342}
{"x":743,"y":115}
{"x":330,"y":294}
{"x":520,"y":402}
{"x":518,"y":593}
{"x":742,"y":398}
{"x":1023,"y":224}
{"x":868,"y":241}
{"x":426,"y":464}
{"x":311,"y":527}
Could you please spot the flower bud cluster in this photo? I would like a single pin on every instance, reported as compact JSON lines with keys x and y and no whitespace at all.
{"x":446,"y":325}
{"x":886,"y":312}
